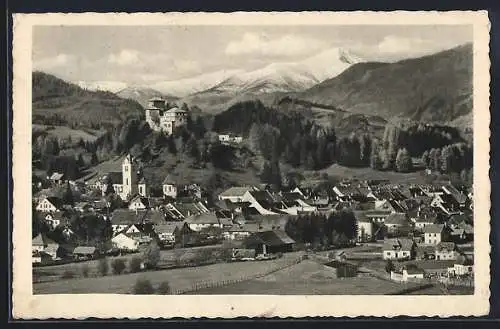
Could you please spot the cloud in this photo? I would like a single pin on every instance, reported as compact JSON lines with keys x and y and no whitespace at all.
{"x":286,"y":45}
{"x":51,"y":63}
{"x":126,"y":57}
{"x":392,"y":44}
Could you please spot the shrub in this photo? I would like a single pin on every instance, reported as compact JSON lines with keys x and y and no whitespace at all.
{"x":118,"y":266}
{"x":152,"y":255}
{"x":143,"y":287}
{"x":164,"y":288}
{"x":68,"y":274}
{"x":389,"y":266}
{"x":103,"y":267}
{"x":85,"y":271}
{"x":135,"y":265}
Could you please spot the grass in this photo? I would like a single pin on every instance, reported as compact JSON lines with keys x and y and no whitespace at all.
{"x":181,"y":278}
{"x":167,"y":257}
{"x":62,"y":132}
{"x":369,"y":173}
{"x":308,"y":278}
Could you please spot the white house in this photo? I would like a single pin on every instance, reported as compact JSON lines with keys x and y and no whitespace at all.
{"x":408,"y":273}
{"x":123,"y":242}
{"x":50,"y":204}
{"x":401,"y":248}
{"x":203,"y":221}
{"x":161,"y":118}
{"x":433,"y":234}
{"x":169,"y":187}
{"x":365,"y":227}
{"x":234,"y":194}
{"x":139,"y":203}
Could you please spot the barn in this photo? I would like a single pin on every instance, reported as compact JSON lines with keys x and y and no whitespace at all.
{"x":269,"y":242}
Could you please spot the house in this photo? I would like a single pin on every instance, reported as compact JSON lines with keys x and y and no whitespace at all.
{"x":269,"y":242}
{"x":365,"y":227}
{"x":55,"y":219}
{"x":181,"y":211}
{"x":462,"y":266}
{"x":446,"y":203}
{"x":122,"y":219}
{"x":347,"y":193}
{"x":161,"y":116}
{"x":378,"y":216}
{"x":42,"y":246}
{"x":50,"y":204}
{"x":435,"y":233}
{"x":57,"y":178}
{"x":400,"y":248}
{"x":397,"y":223}
{"x":239,"y":232}
{"x":425,"y":252}
{"x":234,"y":194}
{"x":446,"y":251}
{"x":435,"y":267}
{"x":203,"y":221}
{"x":169,"y":187}
{"x":408,"y":273}
{"x":83,"y":252}
{"x":459,"y":196}
{"x":123,"y":242}
{"x":262,"y":201}
{"x":169,"y":232}
{"x":139,"y":203}
{"x":422,"y":217}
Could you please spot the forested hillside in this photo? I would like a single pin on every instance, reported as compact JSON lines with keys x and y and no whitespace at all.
{"x":57,"y":102}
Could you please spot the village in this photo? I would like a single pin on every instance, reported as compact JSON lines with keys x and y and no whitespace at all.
{"x":404,"y":233}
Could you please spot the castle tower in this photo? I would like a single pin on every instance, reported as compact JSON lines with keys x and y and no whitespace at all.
{"x":129,"y":172}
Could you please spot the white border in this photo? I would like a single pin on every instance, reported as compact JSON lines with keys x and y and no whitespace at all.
{"x":28,"y":306}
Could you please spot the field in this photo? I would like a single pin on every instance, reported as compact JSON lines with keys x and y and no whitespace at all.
{"x":370,"y":174}
{"x":309,"y":278}
{"x":182,"y":278}
{"x":167,"y":257}
{"x":62,"y":132}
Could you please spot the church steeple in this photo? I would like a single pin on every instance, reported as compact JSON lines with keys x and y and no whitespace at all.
{"x":129,"y":173}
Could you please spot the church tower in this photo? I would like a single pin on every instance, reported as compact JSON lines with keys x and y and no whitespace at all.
{"x":129,"y":173}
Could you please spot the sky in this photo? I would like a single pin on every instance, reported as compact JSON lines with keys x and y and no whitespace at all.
{"x":149,"y":54}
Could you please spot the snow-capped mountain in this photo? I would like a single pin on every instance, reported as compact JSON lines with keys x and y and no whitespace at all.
{"x":112,"y":86}
{"x":291,"y":76}
{"x":184,"y":87}
{"x":142,"y":94}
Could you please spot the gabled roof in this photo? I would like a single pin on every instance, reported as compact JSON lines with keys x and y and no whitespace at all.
{"x":235,"y":191}
{"x":84,"y":250}
{"x":269,"y":238}
{"x":398,"y":244}
{"x":128,"y":217}
{"x":116,"y":177}
{"x":57,"y":202}
{"x":144,"y":200}
{"x":168,"y":227}
{"x":434,"y":228}
{"x":396,"y":219}
{"x":169,"y":180}
{"x":57,"y":176}
{"x":205,"y":218}
{"x":361,"y":217}
{"x":445,"y":246}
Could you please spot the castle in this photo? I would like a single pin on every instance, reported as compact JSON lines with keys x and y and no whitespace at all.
{"x":161,"y":118}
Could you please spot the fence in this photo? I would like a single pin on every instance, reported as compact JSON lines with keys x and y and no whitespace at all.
{"x":217,"y":284}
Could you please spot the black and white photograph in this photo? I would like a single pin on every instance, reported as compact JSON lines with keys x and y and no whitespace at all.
{"x":261,"y":159}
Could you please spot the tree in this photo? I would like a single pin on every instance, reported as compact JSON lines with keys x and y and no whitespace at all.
{"x":436,"y":160}
{"x":403,"y":161}
{"x":389,"y":266}
{"x":118,"y":266}
{"x":143,"y":287}
{"x":80,"y":161}
{"x":135,"y":265}
{"x":68,"y":195}
{"x":103,"y":267}
{"x":93,"y":160}
{"x":151,"y":255}
{"x":266,"y":175}
{"x":425,"y":159}
{"x":164,"y":288}
{"x":275,"y":173}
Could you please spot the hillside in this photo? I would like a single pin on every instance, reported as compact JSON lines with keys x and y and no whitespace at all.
{"x":57,"y":102}
{"x":431,"y":88}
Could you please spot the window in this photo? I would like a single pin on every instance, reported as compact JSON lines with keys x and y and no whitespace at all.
{"x":126,"y":181}
{"x":126,"y":168}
